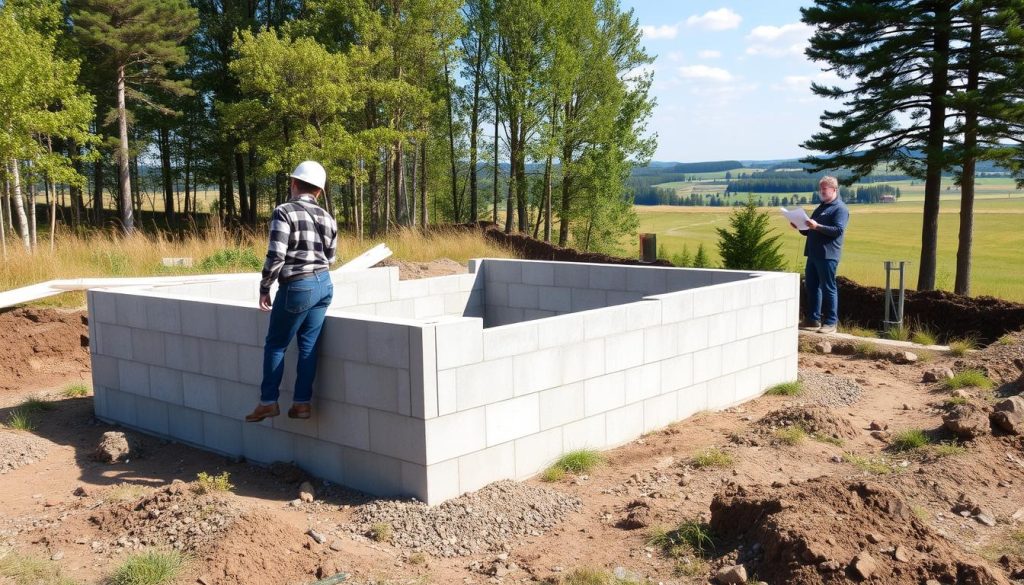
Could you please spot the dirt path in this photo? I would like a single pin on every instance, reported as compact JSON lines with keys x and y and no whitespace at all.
{"x":61,"y":504}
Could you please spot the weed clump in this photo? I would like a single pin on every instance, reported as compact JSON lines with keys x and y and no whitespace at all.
{"x":712,"y":457}
{"x":794,"y":388}
{"x":149,"y":568}
{"x":208,"y":484}
{"x":968,"y":379}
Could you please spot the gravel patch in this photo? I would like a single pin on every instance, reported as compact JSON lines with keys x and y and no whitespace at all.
{"x":19,"y":449}
{"x":483,"y":521}
{"x":829,"y":390}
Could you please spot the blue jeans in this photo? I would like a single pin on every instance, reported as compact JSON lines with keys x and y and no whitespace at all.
{"x":822,"y":295}
{"x":299,"y":309}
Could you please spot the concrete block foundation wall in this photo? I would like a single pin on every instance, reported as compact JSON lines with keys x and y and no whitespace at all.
{"x":434,"y":387}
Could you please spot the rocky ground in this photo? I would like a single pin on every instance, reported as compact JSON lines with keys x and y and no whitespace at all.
{"x":821,"y":487}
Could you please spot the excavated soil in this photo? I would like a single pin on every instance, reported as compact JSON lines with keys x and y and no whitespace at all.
{"x":1003,"y":362}
{"x":814,"y":420}
{"x":830,"y":530}
{"x":41,"y":346}
{"x":19,"y":448}
{"x":411,"y":270}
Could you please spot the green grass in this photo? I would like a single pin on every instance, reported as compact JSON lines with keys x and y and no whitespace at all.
{"x":790,"y":435}
{"x":858,"y":331}
{"x":1006,"y":339}
{"x":961,"y":347}
{"x":921,"y":513}
{"x":691,"y":537}
{"x":955,"y":401}
{"x":208,"y":484}
{"x":125,"y":492}
{"x":579,"y":461}
{"x":823,"y":438}
{"x":552,"y":474}
{"x":865,"y":349}
{"x":36,"y":405}
{"x":948,"y":449}
{"x":148,"y":568}
{"x":924,"y":337}
{"x":878,"y":233}
{"x":77,"y":390}
{"x":794,"y":388}
{"x":909,"y":440}
{"x":20,"y":419}
{"x":874,"y":466}
{"x":712,"y":457}
{"x":588,"y":576}
{"x":898,"y":333}
{"x":231,"y":260}
{"x":19,"y":569}
{"x":381,"y":532}
{"x":968,"y":379}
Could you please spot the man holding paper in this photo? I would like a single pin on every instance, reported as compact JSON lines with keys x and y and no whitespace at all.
{"x":824,"y":231}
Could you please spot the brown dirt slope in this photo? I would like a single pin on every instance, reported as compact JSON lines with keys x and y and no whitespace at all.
{"x":42,"y":346}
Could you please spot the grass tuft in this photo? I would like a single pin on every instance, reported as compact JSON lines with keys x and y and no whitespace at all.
{"x":1005,"y":339}
{"x":858,"y":331}
{"x":955,"y":401}
{"x":552,"y":474}
{"x":35,"y":405}
{"x":790,"y":435}
{"x":924,"y":337}
{"x":208,"y":484}
{"x":948,"y":449}
{"x":20,"y":419}
{"x":381,"y":532}
{"x":961,"y":347}
{"x":870,"y":465}
{"x":580,"y":461}
{"x":794,"y":388}
{"x":712,"y":457}
{"x":21,"y":569}
{"x":125,"y":492}
{"x":587,"y":576}
{"x":148,"y":568}
{"x":865,"y":349}
{"x":689,"y":537}
{"x":77,"y":390}
{"x":909,"y":440}
{"x":823,"y":438}
{"x":968,"y":379}
{"x":898,"y":333}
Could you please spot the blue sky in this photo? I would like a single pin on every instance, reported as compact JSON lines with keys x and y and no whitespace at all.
{"x":731,"y":79}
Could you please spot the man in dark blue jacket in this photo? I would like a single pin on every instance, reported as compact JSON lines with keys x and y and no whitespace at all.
{"x":826,"y":228}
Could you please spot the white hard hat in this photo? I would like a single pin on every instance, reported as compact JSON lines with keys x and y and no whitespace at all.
{"x":310,"y":171}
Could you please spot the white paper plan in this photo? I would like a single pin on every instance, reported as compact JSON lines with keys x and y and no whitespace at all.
{"x":796,"y":216}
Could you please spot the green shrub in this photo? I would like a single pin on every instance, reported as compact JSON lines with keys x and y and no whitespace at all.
{"x":955,"y":401}
{"x":21,"y":420}
{"x":690,"y":536}
{"x":553,"y":474}
{"x":208,"y":484}
{"x":750,"y":243}
{"x":968,"y":379}
{"x":794,"y":388}
{"x":712,"y":457}
{"x":790,"y":435}
{"x":961,"y":347}
{"x":909,"y":440}
{"x":1006,"y":339}
{"x":228,"y":259}
{"x":898,"y":333}
{"x":580,"y":461}
{"x":76,"y":390}
{"x":924,"y":337}
{"x":858,"y":331}
{"x":148,"y":568}
{"x":381,"y":532}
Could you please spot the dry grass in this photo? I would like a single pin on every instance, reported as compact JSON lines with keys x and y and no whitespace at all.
{"x":712,"y":457}
{"x":19,"y":569}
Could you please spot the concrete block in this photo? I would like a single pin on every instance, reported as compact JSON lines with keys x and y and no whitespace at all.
{"x":133,"y":377}
{"x":455,"y":303}
{"x":345,"y":424}
{"x":537,"y":371}
{"x":643,"y":314}
{"x":533,"y":314}
{"x":345,"y":295}
{"x":163,"y":315}
{"x":105,"y":372}
{"x":412,"y":289}
{"x":736,"y":296}
{"x":388,"y":345}
{"x":414,"y":481}
{"x":588,"y":433}
{"x":553,"y":298}
{"x":562,"y":405}
{"x":609,"y":321}
{"x":236,"y":400}
{"x":442,"y":481}
{"x":509,"y":271}
{"x":722,"y":328}
{"x":539,"y":273}
{"x":607,"y":277}
{"x":643,"y":382}
{"x":481,"y":468}
{"x":238,"y":324}
{"x":218,"y":359}
{"x":373,"y":386}
{"x":131,"y":310}
{"x":707,"y":302}
{"x":774,"y":372}
{"x":748,"y":383}
{"x":250,"y":364}
{"x":121,"y":407}
{"x":604,"y":393}
{"x":792,"y":313}
{"x":344,"y":338}
{"x":441,"y":285}
{"x":692,"y":400}
{"x":319,"y":458}
{"x":693,"y":335}
{"x":523,"y":296}
{"x":103,"y":307}
{"x":660,"y":411}
{"x":785,"y":342}
{"x":759,"y":349}
{"x":686,"y":278}
{"x":511,"y":419}
{"x":581,"y":361}
{"x":660,"y":342}
{"x":459,"y":342}
{"x":791,"y":367}
{"x":116,"y":341}
{"x":423,"y":372}
{"x":676,"y":373}
{"x":722,"y":392}
{"x":572,"y":275}
{"x":496,"y":316}
{"x":707,"y":364}
{"x":782,"y":285}
{"x":165,"y":385}
{"x":509,"y":340}
{"x":148,"y":346}
{"x":748,"y":322}
{"x":624,"y":424}
{"x":263,"y":444}
{"x":181,"y":353}
{"x":564,"y":330}
{"x":99,"y":401}
{"x":199,"y":319}
{"x":305,"y":427}
{"x":624,"y":350}
{"x":677,"y":306}
{"x":185,"y":424}
{"x":455,"y":434}
{"x":585,"y":299}
{"x":773,"y":316}
{"x":151,"y":416}
{"x":401,"y":437}
{"x":536,"y":452}
{"x":398,"y":309}
{"x":483,"y":383}
{"x":496,"y":294}
{"x":447,"y":392}
{"x":200,"y":392}
{"x":372,"y":473}
{"x":646,"y":279}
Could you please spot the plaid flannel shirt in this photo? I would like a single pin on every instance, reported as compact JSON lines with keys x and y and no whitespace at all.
{"x":303,"y":238}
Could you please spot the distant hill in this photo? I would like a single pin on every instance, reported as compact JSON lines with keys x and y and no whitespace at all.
{"x":707,"y":167}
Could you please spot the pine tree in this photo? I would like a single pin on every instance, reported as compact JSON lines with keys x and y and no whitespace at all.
{"x":749,"y":243}
{"x":700,"y":260}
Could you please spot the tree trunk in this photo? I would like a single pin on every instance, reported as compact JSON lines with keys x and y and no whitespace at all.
{"x":423,"y":184}
{"x":127,"y":218}
{"x":7,"y":198}
{"x":513,"y":153}
{"x":412,"y":188}
{"x":962,"y":284}
{"x":547,"y":199}
{"x":19,"y":205}
{"x":563,"y":213}
{"x":457,"y":212}
{"x":934,"y":149}
{"x":474,"y":129}
{"x":243,"y":192}
{"x":30,"y":184}
{"x":497,"y":167}
{"x":387,"y":190}
{"x":522,"y":191}
{"x":165,"y":175}
{"x":253,"y":188}
{"x":401,"y":202}
{"x":97,"y":193}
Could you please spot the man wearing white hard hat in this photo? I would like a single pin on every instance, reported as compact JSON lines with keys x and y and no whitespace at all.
{"x":303,"y":242}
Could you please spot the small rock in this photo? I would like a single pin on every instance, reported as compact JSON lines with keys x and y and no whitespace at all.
{"x":295,"y":503}
{"x":932,"y":582}
{"x":81,"y":492}
{"x":731,"y":575}
{"x":937,"y":375}
{"x":877,"y":426}
{"x":306,"y":492}
{"x":985,"y":519}
{"x":319,"y":538}
{"x":880,"y":435}
{"x":906,"y":406}
{"x":875,"y":538}
{"x":113,"y":447}
{"x":823,"y":347}
{"x":863,"y":565}
{"x":204,"y":580}
{"x":904,"y":357}
{"x":1009,"y":415}
{"x":1018,"y":515}
{"x":57,"y":556}
{"x":966,"y":421}
{"x":664,"y":462}
{"x":336,"y":546}
{"x":901,"y":554}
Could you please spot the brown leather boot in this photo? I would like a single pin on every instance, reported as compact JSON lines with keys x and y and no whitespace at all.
{"x":299,"y":411}
{"x":263,"y":411}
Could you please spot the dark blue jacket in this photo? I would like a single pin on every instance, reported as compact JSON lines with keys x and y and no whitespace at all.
{"x":826,"y":243}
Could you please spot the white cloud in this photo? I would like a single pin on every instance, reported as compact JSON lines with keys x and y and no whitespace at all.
{"x":803,"y":82}
{"x":704,"y":72}
{"x":709,"y":54}
{"x":664,"y":31}
{"x":779,"y":41}
{"x":721,"y":19}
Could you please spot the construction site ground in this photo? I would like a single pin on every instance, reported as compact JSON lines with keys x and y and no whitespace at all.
{"x":834,"y":502}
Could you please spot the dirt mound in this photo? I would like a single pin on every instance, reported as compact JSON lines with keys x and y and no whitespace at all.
{"x":258,"y":550}
{"x":814,"y":420}
{"x":829,"y":390}
{"x":533,"y":249}
{"x":828,"y":530}
{"x":486,"y":520}
{"x":19,"y":449}
{"x":413,"y":270}
{"x":171,"y":516}
{"x":1002,"y":361}
{"x":42,"y":346}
